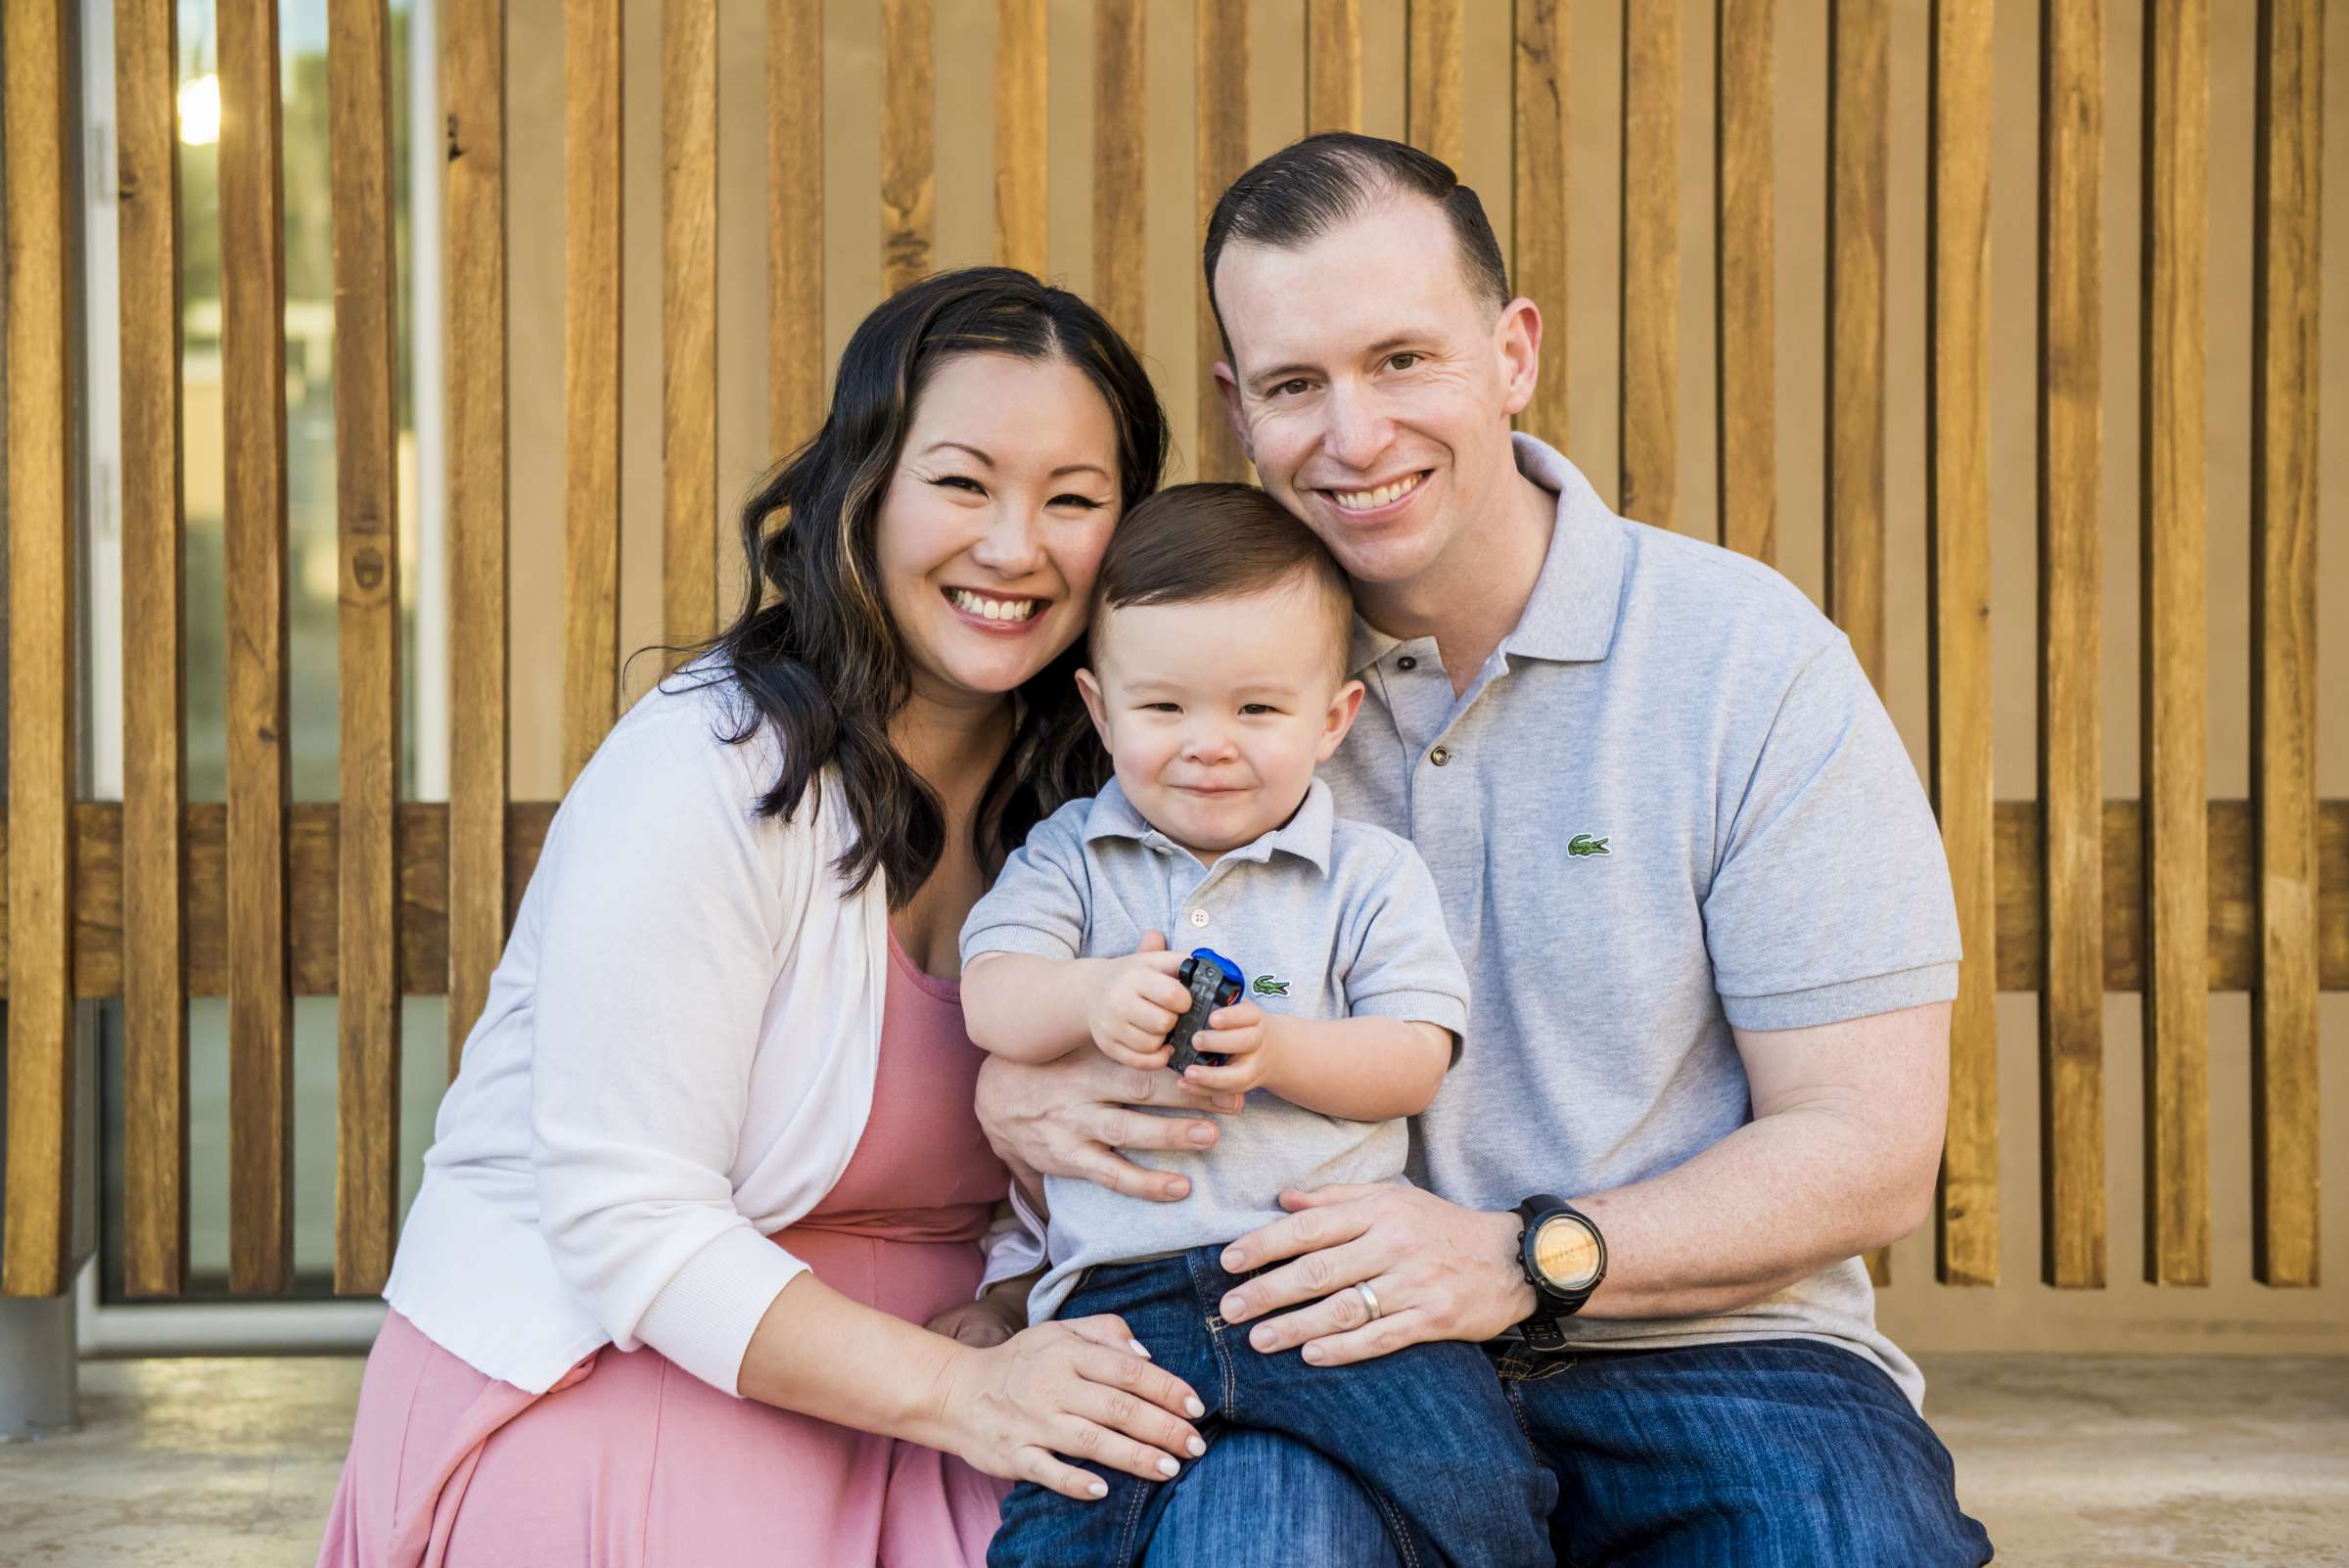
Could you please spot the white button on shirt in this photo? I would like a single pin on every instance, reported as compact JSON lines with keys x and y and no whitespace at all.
{"x":1198,"y":917}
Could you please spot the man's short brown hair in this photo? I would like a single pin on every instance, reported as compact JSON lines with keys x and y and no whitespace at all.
{"x":1192,"y":543}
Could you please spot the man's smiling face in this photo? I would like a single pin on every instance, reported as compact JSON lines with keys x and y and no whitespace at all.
{"x":1373,"y":385}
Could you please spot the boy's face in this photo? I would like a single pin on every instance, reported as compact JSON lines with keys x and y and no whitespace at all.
{"x":1216,"y":713}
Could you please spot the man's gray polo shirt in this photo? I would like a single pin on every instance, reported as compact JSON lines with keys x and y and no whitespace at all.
{"x":1327,"y":918}
{"x":1667,"y":805}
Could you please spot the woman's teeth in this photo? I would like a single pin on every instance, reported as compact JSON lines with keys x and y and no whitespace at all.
{"x":992,"y":609}
{"x":1370,"y":500}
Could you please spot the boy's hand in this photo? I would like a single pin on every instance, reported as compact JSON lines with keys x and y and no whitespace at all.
{"x":1249,"y":1036}
{"x":1135,"y":1005}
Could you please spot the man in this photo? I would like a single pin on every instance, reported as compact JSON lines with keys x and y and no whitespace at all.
{"x":1705,"y":915}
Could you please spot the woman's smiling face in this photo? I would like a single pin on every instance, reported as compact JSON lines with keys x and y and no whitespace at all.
{"x":992,"y":526}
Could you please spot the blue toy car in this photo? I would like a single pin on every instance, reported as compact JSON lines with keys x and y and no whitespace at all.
{"x":1214,"y":982}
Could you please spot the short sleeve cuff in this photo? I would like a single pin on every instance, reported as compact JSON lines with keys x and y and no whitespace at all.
{"x":1014,"y":1246}
{"x":1844,"y":1000}
{"x":1014,"y":939}
{"x":704,"y":1318}
{"x":1437,"y":1007}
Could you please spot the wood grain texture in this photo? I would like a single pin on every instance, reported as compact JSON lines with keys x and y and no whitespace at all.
{"x":908,"y":142}
{"x":1540,"y":266}
{"x":474,"y":101}
{"x":795,"y":223}
{"x":154,"y":767}
{"x":367,"y":510}
{"x":1023,"y":142}
{"x":592,"y":371}
{"x":1120,"y":156}
{"x":36,"y":1226}
{"x":1745,"y":324}
{"x":1433,"y":76}
{"x":1958,"y":612}
{"x":2287,"y":288}
{"x":1333,"y":65}
{"x":2174,"y":640}
{"x":689,"y":576}
{"x":2071,"y":997}
{"x":261,"y":1016}
{"x":1222,"y":96}
{"x":1648,"y":437}
{"x":1856,"y":152}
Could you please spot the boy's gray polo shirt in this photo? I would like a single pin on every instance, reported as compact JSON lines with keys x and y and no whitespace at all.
{"x":1667,"y":805}
{"x":1326,"y":917}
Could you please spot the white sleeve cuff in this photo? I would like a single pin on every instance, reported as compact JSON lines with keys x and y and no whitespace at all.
{"x":704,"y":1318}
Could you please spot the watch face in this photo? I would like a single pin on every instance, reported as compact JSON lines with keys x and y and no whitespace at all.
{"x":1567,"y":1253}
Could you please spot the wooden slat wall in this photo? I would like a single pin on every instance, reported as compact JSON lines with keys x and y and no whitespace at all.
{"x":1540,"y":271}
{"x":155,"y":1014}
{"x":366,"y":418}
{"x":1745,"y":388}
{"x":1333,"y":65}
{"x":688,"y":320}
{"x":591,"y":339}
{"x":261,"y":1009}
{"x":2287,"y":284}
{"x":1432,"y":72}
{"x":1958,"y":608}
{"x":473,"y":105}
{"x":2071,"y":1001}
{"x":1022,"y":132}
{"x":37,"y":86}
{"x":908,"y":142}
{"x":1221,"y":98}
{"x":795,"y":224}
{"x":2173,"y":727}
{"x":1648,"y":436}
{"x":1120,"y":153}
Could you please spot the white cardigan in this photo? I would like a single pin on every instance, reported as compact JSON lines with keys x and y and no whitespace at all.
{"x":676,"y":1060}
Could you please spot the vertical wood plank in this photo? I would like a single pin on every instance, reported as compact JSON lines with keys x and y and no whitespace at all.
{"x":1540,"y":264}
{"x":908,"y":142}
{"x":1333,"y":65}
{"x":795,"y":223}
{"x":1957,"y":609}
{"x":591,"y":369}
{"x":2071,"y":994}
{"x":2174,"y":638}
{"x":1432,"y":48}
{"x":1856,"y":150}
{"x":688,"y":320}
{"x":154,"y":1013}
{"x":1119,"y":154}
{"x":39,"y":213}
{"x":2286,"y":290}
{"x":472,"y":74}
{"x":1221,"y":98}
{"x":253,"y":288}
{"x":1745,"y":385}
{"x":1648,"y":436}
{"x":1022,"y":132}
{"x":366,"y":414}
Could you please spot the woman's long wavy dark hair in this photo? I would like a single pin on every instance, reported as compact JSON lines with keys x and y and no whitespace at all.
{"x":814,"y":649}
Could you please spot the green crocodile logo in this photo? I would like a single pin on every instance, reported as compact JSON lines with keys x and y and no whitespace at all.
{"x":1583,"y":843}
{"x":1267,"y":985}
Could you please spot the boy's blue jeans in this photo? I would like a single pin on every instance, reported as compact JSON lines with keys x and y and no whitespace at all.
{"x":1425,"y":1435}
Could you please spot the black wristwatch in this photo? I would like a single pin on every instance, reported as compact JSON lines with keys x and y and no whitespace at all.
{"x":1564,"y":1257}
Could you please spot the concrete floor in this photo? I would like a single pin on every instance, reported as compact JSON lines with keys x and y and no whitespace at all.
{"x":2068,"y":1461}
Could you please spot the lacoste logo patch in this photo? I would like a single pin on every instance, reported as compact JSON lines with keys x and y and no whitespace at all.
{"x":1268,"y":985}
{"x":1586,"y":844}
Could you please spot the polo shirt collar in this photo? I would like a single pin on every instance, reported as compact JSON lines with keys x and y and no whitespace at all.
{"x":1577,"y":599}
{"x":1306,"y":834}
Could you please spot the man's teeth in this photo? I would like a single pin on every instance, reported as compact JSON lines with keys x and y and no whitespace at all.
{"x":992,"y":608}
{"x":1365,"y":500}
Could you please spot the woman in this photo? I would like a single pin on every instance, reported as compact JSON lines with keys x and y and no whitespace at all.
{"x":710,"y":1157}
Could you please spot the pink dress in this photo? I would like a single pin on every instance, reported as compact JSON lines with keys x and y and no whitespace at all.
{"x":627,"y":1463}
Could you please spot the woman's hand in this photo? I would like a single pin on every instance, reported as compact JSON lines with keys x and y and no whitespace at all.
{"x":1081,"y":1388}
{"x":999,"y":1312}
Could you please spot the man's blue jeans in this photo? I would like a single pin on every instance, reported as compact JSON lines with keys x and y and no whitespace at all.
{"x":1422,"y":1441}
{"x":1773,"y":1453}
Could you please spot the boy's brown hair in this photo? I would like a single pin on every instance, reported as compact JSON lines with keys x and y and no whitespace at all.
{"x":1191,"y":543}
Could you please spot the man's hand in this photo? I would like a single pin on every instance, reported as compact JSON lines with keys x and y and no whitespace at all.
{"x":999,"y":1312}
{"x":1070,"y":1118}
{"x":1438,"y":1271}
{"x":1248,"y":1037}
